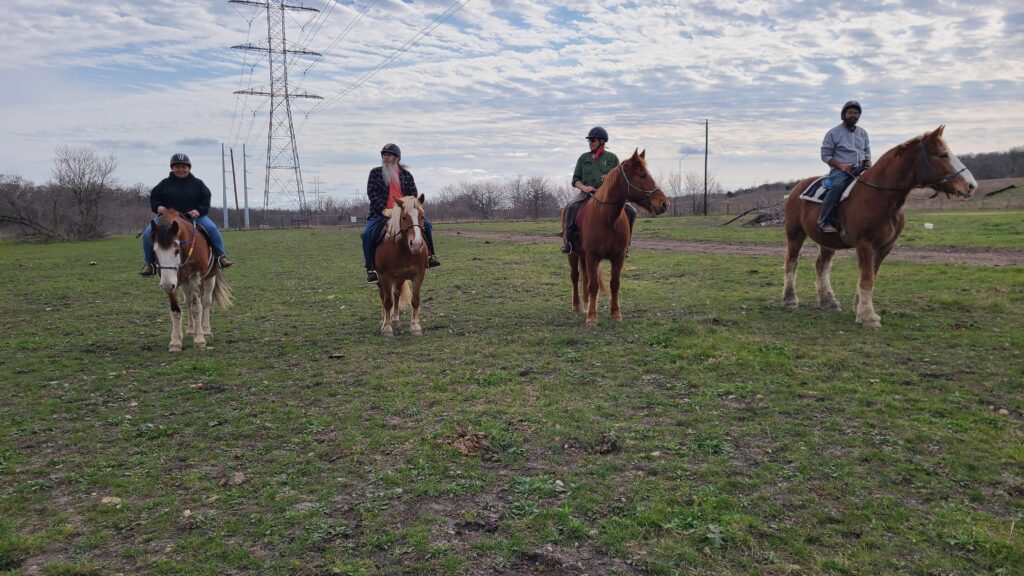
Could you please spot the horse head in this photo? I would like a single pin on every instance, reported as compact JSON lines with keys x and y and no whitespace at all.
{"x":407,"y":221}
{"x":938,"y":167}
{"x":641,"y":188}
{"x":170,"y":236}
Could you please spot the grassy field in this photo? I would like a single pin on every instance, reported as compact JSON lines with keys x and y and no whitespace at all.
{"x":710,"y":432}
{"x":953,"y":229}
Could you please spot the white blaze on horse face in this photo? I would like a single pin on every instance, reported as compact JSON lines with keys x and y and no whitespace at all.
{"x":417,"y":240}
{"x":966,"y":174}
{"x":167,"y":258}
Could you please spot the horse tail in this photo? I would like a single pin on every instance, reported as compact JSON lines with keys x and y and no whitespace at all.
{"x":221,"y":290}
{"x":602,"y":286}
{"x":405,"y":299}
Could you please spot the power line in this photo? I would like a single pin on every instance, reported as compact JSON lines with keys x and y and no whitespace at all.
{"x":423,"y":33}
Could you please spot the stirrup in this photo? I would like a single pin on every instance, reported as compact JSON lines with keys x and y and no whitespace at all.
{"x":372,"y":277}
{"x":566,"y":247}
{"x":147,"y":269}
{"x":828,"y":228}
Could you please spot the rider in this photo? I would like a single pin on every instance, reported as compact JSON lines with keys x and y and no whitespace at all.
{"x":847,"y":150}
{"x":188,"y":195}
{"x":386,"y":184}
{"x":591,"y":168}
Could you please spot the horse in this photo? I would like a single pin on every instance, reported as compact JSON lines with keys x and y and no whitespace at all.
{"x":401,"y":264}
{"x":604,"y":231}
{"x":184,"y":258}
{"x":872,"y":218}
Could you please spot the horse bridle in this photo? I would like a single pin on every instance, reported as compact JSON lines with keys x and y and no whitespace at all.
{"x":927,"y":167}
{"x":629,"y":186}
{"x":191,"y":245}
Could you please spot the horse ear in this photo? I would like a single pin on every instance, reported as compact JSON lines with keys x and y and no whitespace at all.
{"x":644,"y":153}
{"x":938,"y":131}
{"x":422,"y":198}
{"x":635,"y":153}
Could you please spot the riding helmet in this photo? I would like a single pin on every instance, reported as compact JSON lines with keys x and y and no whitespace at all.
{"x":850,"y":104}
{"x":598,"y":132}
{"x":180,"y":158}
{"x":392,"y":149}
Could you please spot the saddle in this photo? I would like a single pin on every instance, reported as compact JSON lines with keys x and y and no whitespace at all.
{"x":816,"y":192}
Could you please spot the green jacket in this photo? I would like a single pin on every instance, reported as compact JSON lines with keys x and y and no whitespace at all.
{"x":589,"y":171}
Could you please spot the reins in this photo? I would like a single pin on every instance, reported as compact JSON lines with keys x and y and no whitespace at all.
{"x":928,"y":168}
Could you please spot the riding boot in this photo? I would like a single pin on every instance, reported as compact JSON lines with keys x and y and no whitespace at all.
{"x":147,"y":269}
{"x":371,"y":276}
{"x":224,"y":262}
{"x":432,"y":261}
{"x":828,"y":206}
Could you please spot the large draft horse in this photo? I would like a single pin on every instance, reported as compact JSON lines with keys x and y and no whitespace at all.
{"x":871,"y":218}
{"x":604,"y":231}
{"x":401,"y":264}
{"x":184,"y":258}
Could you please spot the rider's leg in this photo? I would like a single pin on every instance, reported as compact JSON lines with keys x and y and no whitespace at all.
{"x":428,"y":235}
{"x":571,"y":210}
{"x":214,"y":233}
{"x":148,"y":269}
{"x":826,"y":220}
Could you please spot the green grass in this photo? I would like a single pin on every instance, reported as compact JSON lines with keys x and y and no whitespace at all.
{"x":952,"y":229}
{"x":710,"y":432}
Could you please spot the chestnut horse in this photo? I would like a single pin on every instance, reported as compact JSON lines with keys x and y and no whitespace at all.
{"x":871,"y":219}
{"x":184,"y":257}
{"x":604,"y":231}
{"x":401,"y":262}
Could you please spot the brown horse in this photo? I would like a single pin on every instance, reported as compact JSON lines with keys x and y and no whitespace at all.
{"x":401,"y":262}
{"x":604,"y":231}
{"x":871,"y":219}
{"x":184,"y":257}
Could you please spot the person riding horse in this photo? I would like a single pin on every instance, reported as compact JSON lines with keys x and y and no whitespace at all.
{"x":591,"y":168}
{"x":386,"y":184}
{"x":847,"y":150}
{"x":188,"y":195}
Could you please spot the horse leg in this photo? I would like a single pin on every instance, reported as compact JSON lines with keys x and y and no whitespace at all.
{"x":823,"y":266}
{"x":175,"y":345}
{"x":795,"y":237}
{"x":592,"y":284}
{"x":613,"y":306}
{"x":414,"y":326}
{"x":208,"y":288}
{"x":386,"y":302}
{"x":574,"y":276}
{"x":195,"y":311}
{"x":868,"y":261}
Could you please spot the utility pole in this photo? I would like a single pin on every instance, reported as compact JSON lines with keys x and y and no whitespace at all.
{"x":705,"y":166}
{"x":245,"y":186}
{"x":283,"y":182}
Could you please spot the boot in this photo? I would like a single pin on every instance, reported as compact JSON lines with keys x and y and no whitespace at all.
{"x":372,"y":277}
{"x":147,"y":269}
{"x":566,"y":247}
{"x":433,"y":261}
{"x":224,"y":262}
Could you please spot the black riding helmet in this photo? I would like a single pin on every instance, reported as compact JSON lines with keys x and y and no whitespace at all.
{"x":598,"y":132}
{"x":180,"y":158}
{"x":392,"y":149}
{"x":848,"y":105}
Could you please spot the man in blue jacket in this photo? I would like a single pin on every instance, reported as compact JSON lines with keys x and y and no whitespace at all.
{"x":188,"y":195}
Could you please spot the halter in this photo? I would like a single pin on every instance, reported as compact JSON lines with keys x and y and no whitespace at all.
{"x":927,"y":168}
{"x":403,"y":230}
{"x":181,"y":243}
{"x":629,"y":186}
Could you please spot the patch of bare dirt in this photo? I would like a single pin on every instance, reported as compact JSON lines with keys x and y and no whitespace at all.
{"x":994,"y":257}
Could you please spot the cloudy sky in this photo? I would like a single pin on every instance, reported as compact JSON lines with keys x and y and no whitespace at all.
{"x":505,"y":87}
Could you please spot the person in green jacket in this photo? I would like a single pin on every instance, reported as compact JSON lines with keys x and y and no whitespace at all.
{"x":590,"y":171}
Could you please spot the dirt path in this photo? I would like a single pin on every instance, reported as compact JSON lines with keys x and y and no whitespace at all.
{"x":965,"y":256}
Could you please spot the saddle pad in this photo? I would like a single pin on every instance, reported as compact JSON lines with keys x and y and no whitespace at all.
{"x":816,"y":192}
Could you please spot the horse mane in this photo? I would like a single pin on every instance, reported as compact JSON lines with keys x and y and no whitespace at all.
{"x":164,"y":236}
{"x":395,"y":222}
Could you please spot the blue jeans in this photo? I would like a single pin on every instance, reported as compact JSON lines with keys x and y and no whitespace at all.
{"x":204,"y":221}
{"x":374,"y":224}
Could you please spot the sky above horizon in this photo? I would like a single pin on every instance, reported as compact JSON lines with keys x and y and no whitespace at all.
{"x":505,"y":88}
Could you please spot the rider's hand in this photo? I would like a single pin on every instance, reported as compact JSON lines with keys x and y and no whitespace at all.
{"x":194,"y":213}
{"x":588,"y":189}
{"x":160,"y":209}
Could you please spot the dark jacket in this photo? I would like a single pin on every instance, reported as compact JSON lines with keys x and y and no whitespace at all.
{"x":377,"y":189}
{"x":182,"y":194}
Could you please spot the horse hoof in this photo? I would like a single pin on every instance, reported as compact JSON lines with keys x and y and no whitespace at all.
{"x":791,"y":304}
{"x":617,"y":316}
{"x":871,"y":322}
{"x":416,"y":331}
{"x":591,"y":323}
{"x":832,"y":306}
{"x":174,"y":348}
{"x":388,"y":333}
{"x":200,"y":345}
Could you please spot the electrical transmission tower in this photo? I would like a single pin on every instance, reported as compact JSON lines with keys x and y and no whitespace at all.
{"x":284,"y":175}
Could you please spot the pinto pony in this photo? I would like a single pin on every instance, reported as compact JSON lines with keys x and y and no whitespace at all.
{"x":872,"y":218}
{"x":604,"y":231}
{"x":184,"y":257}
{"x":401,"y":264}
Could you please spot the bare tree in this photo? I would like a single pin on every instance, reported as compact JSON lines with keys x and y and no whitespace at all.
{"x":86,"y":181}
{"x":23,"y":205}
